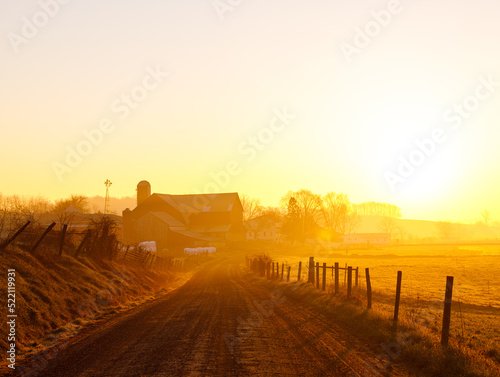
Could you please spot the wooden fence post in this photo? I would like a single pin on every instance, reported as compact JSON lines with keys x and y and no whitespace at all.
{"x":311,"y":270}
{"x":84,"y":241}
{"x":145,"y":260}
{"x":349,"y":281}
{"x":300,"y":270}
{"x":37,"y":243}
{"x":368,"y":289}
{"x":92,"y":245}
{"x":288,"y":275}
{"x":277,"y":270}
{"x":282,"y":269}
{"x":398,"y":296}
{"x":126,"y":251}
{"x":61,"y":241}
{"x":152,"y":261}
{"x":323,"y":286}
{"x":268,"y":268}
{"x":356,"y":277}
{"x":345,"y":274}
{"x":272,"y":272}
{"x":7,"y":243}
{"x":445,"y":334}
{"x":317,"y":275}
{"x":336,"y":278}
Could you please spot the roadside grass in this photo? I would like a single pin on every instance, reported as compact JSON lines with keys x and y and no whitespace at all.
{"x":55,"y":295}
{"x":415,"y":344}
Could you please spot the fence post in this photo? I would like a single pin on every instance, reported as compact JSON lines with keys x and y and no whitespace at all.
{"x":92,"y":245}
{"x":268,"y":268}
{"x":323,"y":286}
{"x":82,"y":244}
{"x":61,"y":241}
{"x":7,"y":243}
{"x":272,"y":272}
{"x":288,"y":275}
{"x":37,"y":243}
{"x":356,"y":277}
{"x":317,"y":275}
{"x":398,"y":296}
{"x":282,"y":269}
{"x":368,"y":289}
{"x":145,"y":260}
{"x":300,"y":270}
{"x":349,"y":281}
{"x":445,"y":334}
{"x":345,"y":274}
{"x":126,"y":251}
{"x":277,"y":270}
{"x":152,"y":261}
{"x":336,"y":278}
{"x":311,"y":271}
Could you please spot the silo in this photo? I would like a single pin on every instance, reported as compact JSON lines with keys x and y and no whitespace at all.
{"x":143,"y":191}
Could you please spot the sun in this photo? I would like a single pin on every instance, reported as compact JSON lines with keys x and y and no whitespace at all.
{"x":405,"y":145}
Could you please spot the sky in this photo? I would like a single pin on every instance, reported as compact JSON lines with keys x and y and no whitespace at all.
{"x":391,"y":101}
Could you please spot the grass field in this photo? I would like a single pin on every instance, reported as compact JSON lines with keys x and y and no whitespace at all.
{"x":476,"y":270}
{"x":476,"y":291}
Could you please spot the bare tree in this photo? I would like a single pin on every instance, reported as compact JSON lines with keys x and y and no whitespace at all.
{"x":352,"y":222}
{"x":402,"y":232}
{"x":65,"y":209}
{"x":338,"y":214}
{"x":388,"y":225}
{"x":251,"y":207}
{"x":486,"y":215}
{"x":274,"y":213}
{"x":378,"y":209}
{"x":334,"y":210}
{"x":16,"y":210}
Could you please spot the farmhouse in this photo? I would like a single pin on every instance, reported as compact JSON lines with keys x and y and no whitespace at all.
{"x":264,"y":228}
{"x":179,"y":221}
{"x":367,"y":238}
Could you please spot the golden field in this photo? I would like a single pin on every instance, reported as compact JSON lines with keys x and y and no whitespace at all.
{"x":476,"y":291}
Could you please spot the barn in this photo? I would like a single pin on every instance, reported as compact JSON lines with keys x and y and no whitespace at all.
{"x":179,"y":221}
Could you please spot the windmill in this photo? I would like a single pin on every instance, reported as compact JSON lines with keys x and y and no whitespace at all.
{"x":107,"y":183}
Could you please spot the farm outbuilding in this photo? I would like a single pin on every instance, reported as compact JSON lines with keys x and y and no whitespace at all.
{"x":179,"y":221}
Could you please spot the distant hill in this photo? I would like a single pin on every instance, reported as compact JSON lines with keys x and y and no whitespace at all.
{"x":407,"y":229}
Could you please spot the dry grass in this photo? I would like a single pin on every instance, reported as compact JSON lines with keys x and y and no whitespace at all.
{"x":475,"y":328}
{"x":415,"y":344}
{"x":56,"y":295}
{"x":476,"y":291}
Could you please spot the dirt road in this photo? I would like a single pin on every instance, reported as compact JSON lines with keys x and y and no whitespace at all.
{"x":222,"y":322}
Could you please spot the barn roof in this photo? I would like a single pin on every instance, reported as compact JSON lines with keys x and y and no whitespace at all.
{"x":202,"y":202}
{"x":170,"y":220}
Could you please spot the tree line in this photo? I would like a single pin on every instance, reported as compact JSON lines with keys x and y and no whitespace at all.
{"x":304,"y":214}
{"x":16,"y":210}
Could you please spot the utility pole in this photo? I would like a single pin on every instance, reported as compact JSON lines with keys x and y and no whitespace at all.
{"x":107,"y":183}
